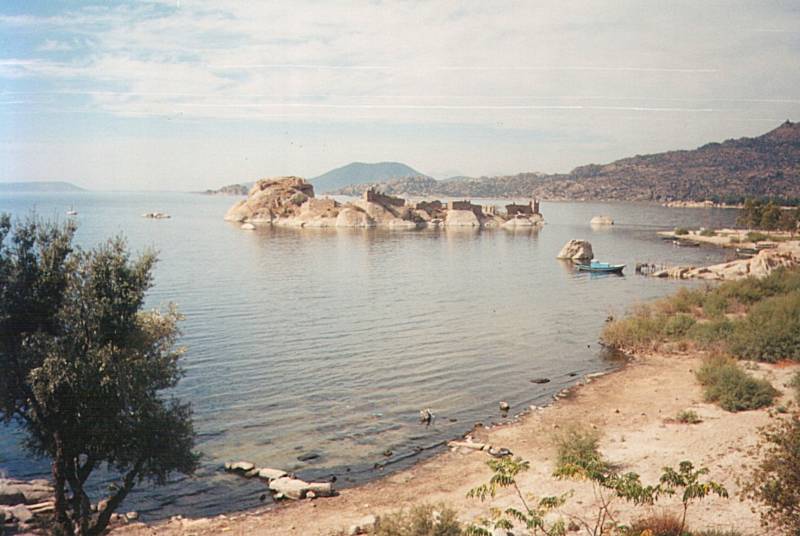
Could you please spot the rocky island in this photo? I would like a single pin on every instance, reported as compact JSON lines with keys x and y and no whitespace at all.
{"x":290,"y":202}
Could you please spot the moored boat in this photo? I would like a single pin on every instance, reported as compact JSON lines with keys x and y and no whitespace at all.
{"x":601,"y":267}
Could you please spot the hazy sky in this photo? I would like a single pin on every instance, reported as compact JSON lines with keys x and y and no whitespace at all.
{"x":192,"y":94}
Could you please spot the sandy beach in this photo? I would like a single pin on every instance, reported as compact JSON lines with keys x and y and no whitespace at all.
{"x":632,"y":408}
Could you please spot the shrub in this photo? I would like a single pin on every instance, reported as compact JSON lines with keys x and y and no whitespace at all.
{"x":678,"y":325}
{"x":640,"y":330}
{"x":683,"y":301}
{"x":681,"y":231}
{"x":728,"y":385}
{"x":707,"y":334}
{"x":708,"y":232}
{"x":422,"y":520}
{"x":755,"y":236}
{"x":662,"y":524}
{"x":734,"y":240}
{"x":716,"y":304}
{"x":775,"y":482}
{"x":688,"y":416}
{"x":579,"y":446}
{"x":715,"y":532}
{"x":771,"y":331}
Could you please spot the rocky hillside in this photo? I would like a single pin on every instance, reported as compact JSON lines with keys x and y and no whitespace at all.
{"x":360,"y":173}
{"x":765,"y":166}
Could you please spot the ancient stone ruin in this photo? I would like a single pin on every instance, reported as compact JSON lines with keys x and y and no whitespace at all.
{"x":290,"y":202}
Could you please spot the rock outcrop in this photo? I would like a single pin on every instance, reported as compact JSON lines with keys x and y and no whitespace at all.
{"x":761,"y":265}
{"x":576,"y":250}
{"x":290,"y":202}
{"x":21,"y":502}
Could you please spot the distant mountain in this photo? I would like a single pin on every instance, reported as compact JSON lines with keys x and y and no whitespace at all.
{"x":765,"y":166}
{"x":39,"y":186}
{"x":361,"y":173}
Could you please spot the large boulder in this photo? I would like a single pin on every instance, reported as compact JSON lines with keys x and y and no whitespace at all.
{"x":768,"y":261}
{"x":461,"y":218}
{"x":352,"y":217}
{"x":10,"y":493}
{"x":268,"y":199}
{"x":577,"y":250}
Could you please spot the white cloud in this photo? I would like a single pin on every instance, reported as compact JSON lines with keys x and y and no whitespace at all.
{"x":632,"y":73}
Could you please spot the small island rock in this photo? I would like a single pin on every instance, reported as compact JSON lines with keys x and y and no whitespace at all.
{"x":577,"y":250}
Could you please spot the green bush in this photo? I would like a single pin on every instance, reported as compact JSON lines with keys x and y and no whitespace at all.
{"x":678,"y":325}
{"x":681,"y":231}
{"x":422,"y":520}
{"x":727,"y":384}
{"x":771,"y":331}
{"x":579,"y":446}
{"x":683,"y":301}
{"x":708,"y":232}
{"x":688,"y":416}
{"x":638,"y":331}
{"x":711,"y":333}
{"x":755,"y":236}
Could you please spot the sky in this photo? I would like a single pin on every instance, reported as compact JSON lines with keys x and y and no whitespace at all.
{"x":194,"y":94}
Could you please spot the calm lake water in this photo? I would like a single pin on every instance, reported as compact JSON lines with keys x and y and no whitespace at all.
{"x":329,"y":342}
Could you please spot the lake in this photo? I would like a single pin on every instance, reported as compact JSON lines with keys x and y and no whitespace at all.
{"x":329,"y":342}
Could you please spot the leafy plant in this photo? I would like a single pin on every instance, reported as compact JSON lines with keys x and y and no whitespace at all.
{"x":688,"y":480}
{"x":708,"y":232}
{"x":727,"y":384}
{"x":681,"y":231}
{"x":532,"y":514}
{"x":755,"y":236}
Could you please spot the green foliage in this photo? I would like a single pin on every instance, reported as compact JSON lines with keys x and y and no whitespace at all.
{"x":688,"y":480}
{"x":775,"y":482}
{"x":531,"y":515}
{"x":727,"y":384}
{"x":754,"y":236}
{"x":771,"y":331}
{"x":681,"y":231}
{"x":688,"y":416}
{"x":422,"y":520}
{"x":708,"y":232}
{"x":578,"y":449}
{"x":678,"y":325}
{"x":83,"y":366}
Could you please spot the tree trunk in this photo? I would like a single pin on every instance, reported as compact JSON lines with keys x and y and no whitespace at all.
{"x":115,"y":500}
{"x":59,"y":482}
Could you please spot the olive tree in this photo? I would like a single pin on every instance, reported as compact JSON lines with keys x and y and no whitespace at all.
{"x":84,"y":367}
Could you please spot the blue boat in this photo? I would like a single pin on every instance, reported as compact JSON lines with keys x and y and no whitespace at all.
{"x":601,"y":267}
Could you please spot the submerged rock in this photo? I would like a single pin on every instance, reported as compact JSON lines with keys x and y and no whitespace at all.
{"x":601,"y":220}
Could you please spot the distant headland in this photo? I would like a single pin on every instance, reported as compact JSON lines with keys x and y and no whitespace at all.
{"x":40,"y":186}
{"x":290,"y":202}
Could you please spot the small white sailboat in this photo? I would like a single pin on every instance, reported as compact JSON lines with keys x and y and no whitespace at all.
{"x":72,"y":211}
